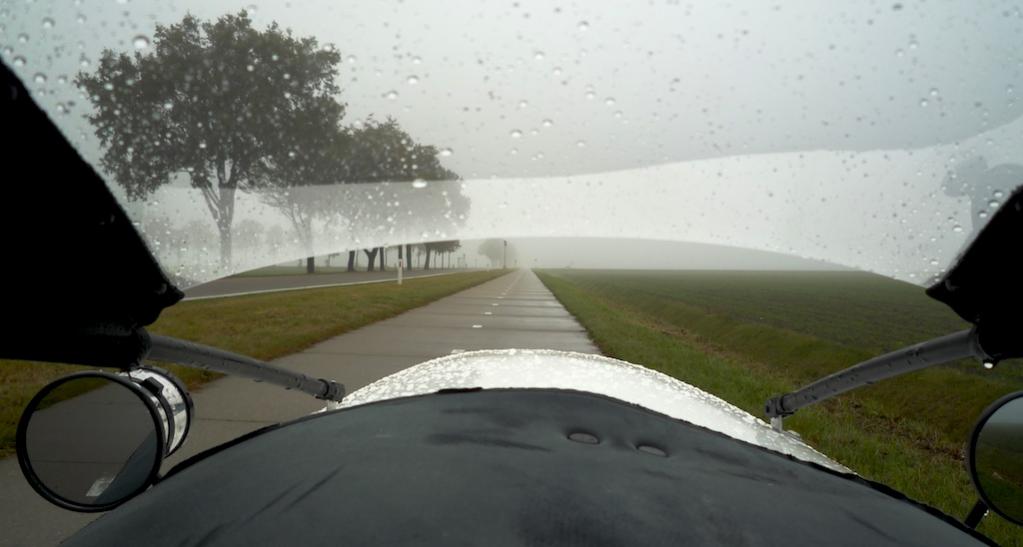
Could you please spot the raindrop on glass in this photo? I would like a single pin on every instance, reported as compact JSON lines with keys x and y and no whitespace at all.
{"x":39,"y":78}
{"x":419,"y":183}
{"x":140,"y":41}
{"x":416,"y":60}
{"x":993,"y":204}
{"x":351,"y":59}
{"x":934,"y":92}
{"x":47,"y":23}
{"x":583,"y":26}
{"x":412,"y":80}
{"x":391,"y":95}
{"x":923,"y":102}
{"x":957,"y":228}
{"x":515,"y":133}
{"x":19,"y":61}
{"x":23,"y":38}
{"x":80,"y":19}
{"x":581,"y":144}
{"x":538,"y":56}
{"x":998,"y":194}
{"x":547,"y":123}
{"x":610,"y":101}
{"x":445,"y":152}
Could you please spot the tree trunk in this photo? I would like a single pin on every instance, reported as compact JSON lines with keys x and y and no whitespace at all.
{"x":426,"y":263}
{"x":383,"y":254}
{"x":371,"y":257}
{"x":408,"y":257}
{"x":351,"y":261}
{"x":310,"y":265}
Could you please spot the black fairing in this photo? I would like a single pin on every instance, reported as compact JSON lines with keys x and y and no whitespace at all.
{"x":80,"y":278}
{"x":496,"y":467}
{"x":985,"y":287}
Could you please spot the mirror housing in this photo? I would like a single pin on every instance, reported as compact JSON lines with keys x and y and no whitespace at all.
{"x":994,"y":457}
{"x":90,"y":441}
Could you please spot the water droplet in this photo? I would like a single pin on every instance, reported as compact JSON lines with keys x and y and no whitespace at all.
{"x":610,"y":101}
{"x":913,"y":44}
{"x":48,"y":23}
{"x":923,"y":102}
{"x":618,"y":113}
{"x":988,"y":365}
{"x":998,"y":194}
{"x":140,"y":42}
{"x":251,"y":9}
{"x":982,"y":214}
{"x":477,"y":326}
{"x":445,"y":152}
{"x":416,"y":60}
{"x":957,"y":228}
{"x":993,"y":204}
{"x":22,"y":38}
{"x":80,"y":19}
{"x":39,"y":78}
{"x":556,"y":71}
{"x":168,"y":105}
{"x":934,"y":92}
{"x":391,"y":95}
{"x":419,"y":183}
{"x":351,"y":59}
{"x":581,"y":144}
{"x":250,"y":68}
{"x":515,"y":133}
{"x":538,"y":55}
{"x":202,"y":145}
{"x":412,"y":80}
{"x":19,"y":61}
{"x":583,"y":26}
{"x":547,"y":123}
{"x":523,"y":104}
{"x":590,"y":95}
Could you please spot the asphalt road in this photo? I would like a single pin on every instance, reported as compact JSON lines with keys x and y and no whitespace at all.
{"x":513,"y":311}
{"x":239,"y":285}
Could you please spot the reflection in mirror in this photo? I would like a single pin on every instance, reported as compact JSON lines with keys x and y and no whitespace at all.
{"x":998,"y":460}
{"x":90,"y":441}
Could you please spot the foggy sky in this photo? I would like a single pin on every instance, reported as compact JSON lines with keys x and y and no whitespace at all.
{"x":809,"y":128}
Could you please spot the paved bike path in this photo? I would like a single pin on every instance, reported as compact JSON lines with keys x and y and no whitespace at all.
{"x":512,"y":311}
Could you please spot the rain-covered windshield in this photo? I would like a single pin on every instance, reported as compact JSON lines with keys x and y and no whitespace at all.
{"x":878,"y":136}
{"x":692,"y":187}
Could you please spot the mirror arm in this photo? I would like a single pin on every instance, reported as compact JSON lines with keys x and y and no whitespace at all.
{"x":952,"y":347}
{"x":976,"y":514}
{"x":181,"y":352}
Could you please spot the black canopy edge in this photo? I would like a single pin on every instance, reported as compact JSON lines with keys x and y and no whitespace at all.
{"x":78,"y":279}
{"x":984,"y":285}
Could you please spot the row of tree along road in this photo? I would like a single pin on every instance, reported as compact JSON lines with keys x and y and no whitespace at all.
{"x":229,"y":107}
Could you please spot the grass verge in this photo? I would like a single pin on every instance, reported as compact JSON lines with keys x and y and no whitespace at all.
{"x":907,"y":433}
{"x":264,"y":326}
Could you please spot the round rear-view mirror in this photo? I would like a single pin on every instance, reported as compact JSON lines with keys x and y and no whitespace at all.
{"x":91,"y":441}
{"x":995,"y":457}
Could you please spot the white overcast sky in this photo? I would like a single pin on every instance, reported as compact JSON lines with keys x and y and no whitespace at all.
{"x":851,"y":114}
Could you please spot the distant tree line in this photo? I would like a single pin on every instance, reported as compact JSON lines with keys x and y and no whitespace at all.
{"x":232,"y":107}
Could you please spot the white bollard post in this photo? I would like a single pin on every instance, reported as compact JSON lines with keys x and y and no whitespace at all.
{"x":401,"y":268}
